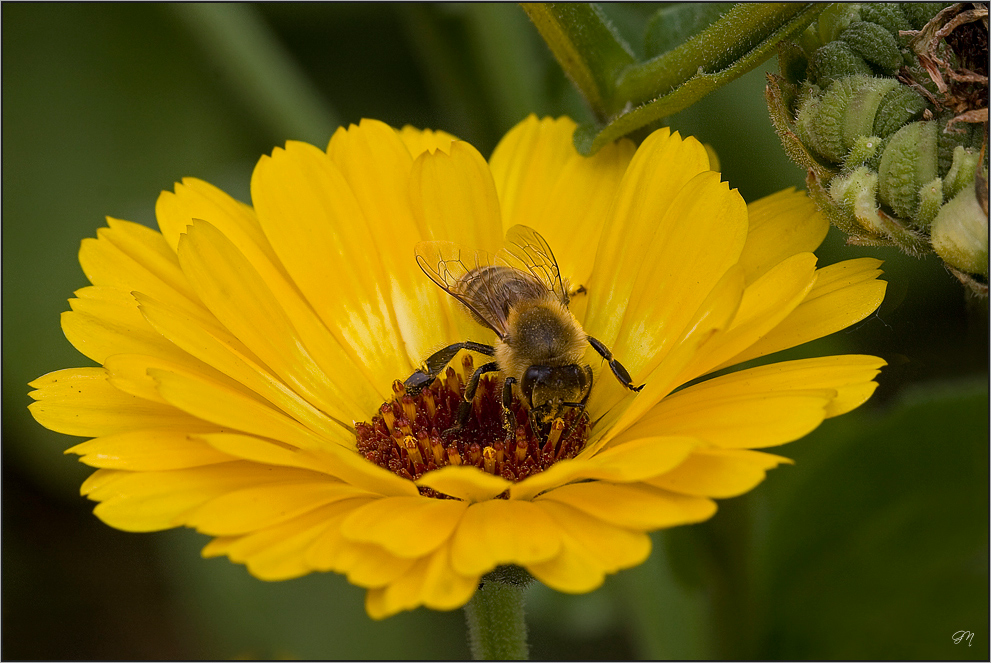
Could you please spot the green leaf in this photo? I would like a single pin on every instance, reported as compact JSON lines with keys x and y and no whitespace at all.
{"x":677,"y":22}
{"x":743,"y":39}
{"x":586,"y":45}
{"x":876,"y":544}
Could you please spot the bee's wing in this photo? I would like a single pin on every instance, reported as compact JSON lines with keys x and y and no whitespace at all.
{"x":526,"y":250}
{"x":460,"y":272}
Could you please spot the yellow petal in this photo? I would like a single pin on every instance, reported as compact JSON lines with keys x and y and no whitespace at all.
{"x":443,"y":587}
{"x":106,"y":264}
{"x":332,"y":552}
{"x":503,"y":532}
{"x":150,"y":501}
{"x":365,"y":565}
{"x":847,"y":375}
{"x":99,"y":479}
{"x":261,"y":451}
{"x":690,"y":270}
{"x":150,"y":250}
{"x":612,"y":547}
{"x":148,"y":450}
{"x":763,"y":406}
{"x":431,"y":581}
{"x":765,"y":303}
{"x":376,"y":165}
{"x":129,"y":373}
{"x":283,"y":558}
{"x":843,"y":294}
{"x":465,"y":483}
{"x":241,"y":300}
{"x":526,"y":164}
{"x":714,"y":315}
{"x":718,"y":472}
{"x":321,"y":235}
{"x":258,"y":507}
{"x":418,"y":141}
{"x":375,"y":604}
{"x":661,"y":167}
{"x":544,"y":183}
{"x":408,"y":527}
{"x":230,"y":408}
{"x":278,"y":552}
{"x":686,"y":262}
{"x":80,"y":401}
{"x":833,"y":372}
{"x":368,"y":565}
{"x":632,"y":506}
{"x":215,"y":348}
{"x":574,"y":570}
{"x":634,"y":461}
{"x":781,"y":225}
{"x":454,"y":198}
{"x":105,"y":321}
{"x":330,"y":459}
{"x":197,"y":201}
{"x":746,"y":420}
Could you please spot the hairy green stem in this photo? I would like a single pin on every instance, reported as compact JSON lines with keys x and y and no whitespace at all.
{"x":716,"y":48}
{"x":496,"y":625}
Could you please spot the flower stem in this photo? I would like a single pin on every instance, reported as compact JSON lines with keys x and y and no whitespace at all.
{"x":496,"y":627}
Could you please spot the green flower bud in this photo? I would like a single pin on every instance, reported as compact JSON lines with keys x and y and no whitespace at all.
{"x":862,"y":110}
{"x":961,"y":134}
{"x":962,"y":171}
{"x":856,"y":195}
{"x":886,"y":14}
{"x":930,"y":200}
{"x":834,"y":61}
{"x":880,"y":128}
{"x":960,"y":233}
{"x":908,"y":162}
{"x":875,"y":44}
{"x":864,"y":148}
{"x":920,"y":13}
{"x":835,"y":19}
{"x":875,"y":161}
{"x":898,"y":107}
{"x":831,"y":123}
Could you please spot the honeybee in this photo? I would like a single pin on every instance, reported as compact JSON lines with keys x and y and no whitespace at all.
{"x":519,"y":294}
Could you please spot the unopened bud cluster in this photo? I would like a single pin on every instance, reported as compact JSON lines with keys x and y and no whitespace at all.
{"x":886,"y":106}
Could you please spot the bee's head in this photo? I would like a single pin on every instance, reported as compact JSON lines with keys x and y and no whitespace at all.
{"x":548,"y":389}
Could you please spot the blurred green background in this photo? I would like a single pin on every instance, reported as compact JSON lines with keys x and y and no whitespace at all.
{"x":874,"y":545}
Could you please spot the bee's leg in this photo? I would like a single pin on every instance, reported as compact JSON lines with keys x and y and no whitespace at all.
{"x":617,"y":368}
{"x":535,"y":427}
{"x":508,"y":418}
{"x":438,"y":361}
{"x":464,"y":410}
{"x":579,"y":406}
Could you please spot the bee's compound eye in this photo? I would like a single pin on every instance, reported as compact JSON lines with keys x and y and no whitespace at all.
{"x":534,"y":378}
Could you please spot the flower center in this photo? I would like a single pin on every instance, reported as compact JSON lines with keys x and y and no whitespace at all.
{"x":412,"y":435}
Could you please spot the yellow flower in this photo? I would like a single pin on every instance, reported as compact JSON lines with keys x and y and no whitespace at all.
{"x":241,"y":347}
